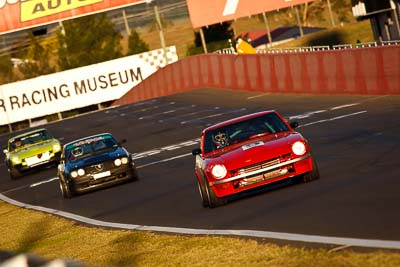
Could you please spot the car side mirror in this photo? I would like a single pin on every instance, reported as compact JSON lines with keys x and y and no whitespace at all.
{"x":5,"y":151}
{"x":294,"y":124}
{"x":123,"y":141}
{"x":196,"y":151}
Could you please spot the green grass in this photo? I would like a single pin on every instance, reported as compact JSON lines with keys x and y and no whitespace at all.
{"x":51,"y":237}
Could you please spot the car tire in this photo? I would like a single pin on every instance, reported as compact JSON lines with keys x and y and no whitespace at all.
{"x":135,"y":176}
{"x":313,"y":175}
{"x":203,"y":195}
{"x":213,"y":200}
{"x":65,"y":190}
{"x":14,"y":173}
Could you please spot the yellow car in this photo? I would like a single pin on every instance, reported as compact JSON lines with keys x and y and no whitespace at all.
{"x":30,"y":150}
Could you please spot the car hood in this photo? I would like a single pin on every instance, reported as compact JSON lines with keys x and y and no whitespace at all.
{"x":257,"y":150}
{"x":107,"y":155}
{"x":34,"y":149}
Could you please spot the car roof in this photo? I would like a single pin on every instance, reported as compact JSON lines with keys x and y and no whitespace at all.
{"x":238,"y":119}
{"x":87,"y":137}
{"x":27,"y":133}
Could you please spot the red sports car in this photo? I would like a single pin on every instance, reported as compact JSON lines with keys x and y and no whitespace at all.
{"x":248,"y":152}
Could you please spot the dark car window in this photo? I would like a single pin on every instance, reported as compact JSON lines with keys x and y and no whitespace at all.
{"x":89,"y":146}
{"x":30,"y":139}
{"x":243,"y":131}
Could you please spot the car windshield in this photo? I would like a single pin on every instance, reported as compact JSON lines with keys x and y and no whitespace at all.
{"x":30,"y":139}
{"x":242,"y":131}
{"x":89,"y":146}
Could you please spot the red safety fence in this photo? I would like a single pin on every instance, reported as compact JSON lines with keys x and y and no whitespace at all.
{"x":374,"y":70}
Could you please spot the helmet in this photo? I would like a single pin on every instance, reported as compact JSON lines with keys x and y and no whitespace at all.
{"x":220,"y":139}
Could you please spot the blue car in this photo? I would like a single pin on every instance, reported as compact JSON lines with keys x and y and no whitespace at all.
{"x":94,"y":162}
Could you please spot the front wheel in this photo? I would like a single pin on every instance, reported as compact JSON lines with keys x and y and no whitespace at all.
{"x":135,"y":176}
{"x":14,"y":173}
{"x":313,"y":175}
{"x":65,"y":190}
{"x":203,"y":195}
{"x":213,"y":200}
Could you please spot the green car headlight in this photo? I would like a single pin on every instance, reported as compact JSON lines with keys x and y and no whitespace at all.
{"x":56,"y":147}
{"x":15,"y":160}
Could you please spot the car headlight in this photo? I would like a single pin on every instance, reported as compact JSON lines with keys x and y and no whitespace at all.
{"x":81,"y":172}
{"x":15,"y":160}
{"x":117,"y":162}
{"x":124,"y":160}
{"x":74,"y":174}
{"x":219,"y":171}
{"x":56,"y":147}
{"x":299,"y":148}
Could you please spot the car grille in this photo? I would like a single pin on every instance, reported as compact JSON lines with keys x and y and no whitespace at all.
{"x":100,"y":167}
{"x":260,"y":165}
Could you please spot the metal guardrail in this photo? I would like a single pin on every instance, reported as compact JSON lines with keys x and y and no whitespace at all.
{"x":391,"y":42}
{"x":272,"y":50}
{"x":342,"y":47}
{"x":363,"y":45}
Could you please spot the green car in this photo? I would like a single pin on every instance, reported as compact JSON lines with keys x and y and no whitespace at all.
{"x":29,"y":150}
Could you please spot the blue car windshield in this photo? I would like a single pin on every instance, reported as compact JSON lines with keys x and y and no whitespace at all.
{"x":243,"y":131}
{"x":89,"y":146}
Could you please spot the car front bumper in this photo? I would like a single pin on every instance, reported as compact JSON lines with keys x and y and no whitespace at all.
{"x":262,"y":176}
{"x":35,"y":161}
{"x":111,"y":177}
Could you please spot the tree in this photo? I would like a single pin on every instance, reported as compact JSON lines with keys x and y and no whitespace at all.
{"x":342,"y":8}
{"x":312,"y":11}
{"x":36,"y":60}
{"x":6,"y":69}
{"x":88,"y":40}
{"x":136,"y":45}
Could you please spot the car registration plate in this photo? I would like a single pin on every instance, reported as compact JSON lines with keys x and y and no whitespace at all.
{"x":101,"y":175}
{"x":248,"y":146}
{"x":40,"y":158}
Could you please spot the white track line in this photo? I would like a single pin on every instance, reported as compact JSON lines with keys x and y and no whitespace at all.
{"x":345,"y":106}
{"x":44,"y":182}
{"x":257,"y":96}
{"x":166,"y":148}
{"x":164,"y":160}
{"x":334,"y":118}
{"x":166,"y":112}
{"x":214,"y":115}
{"x":311,"y":113}
{"x":341,"y":241}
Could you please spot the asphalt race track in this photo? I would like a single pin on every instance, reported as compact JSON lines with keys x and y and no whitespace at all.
{"x":355,"y":140}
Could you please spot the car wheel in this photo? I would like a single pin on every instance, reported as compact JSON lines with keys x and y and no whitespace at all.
{"x":213,"y":200}
{"x":14,"y":173}
{"x":135,"y":176}
{"x":313,"y":175}
{"x":65,"y":190}
{"x":203,"y":195}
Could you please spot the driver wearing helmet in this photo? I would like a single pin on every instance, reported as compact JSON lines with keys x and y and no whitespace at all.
{"x":220,"y":140}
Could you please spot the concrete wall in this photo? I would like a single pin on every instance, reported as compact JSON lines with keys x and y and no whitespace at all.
{"x":374,"y":70}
